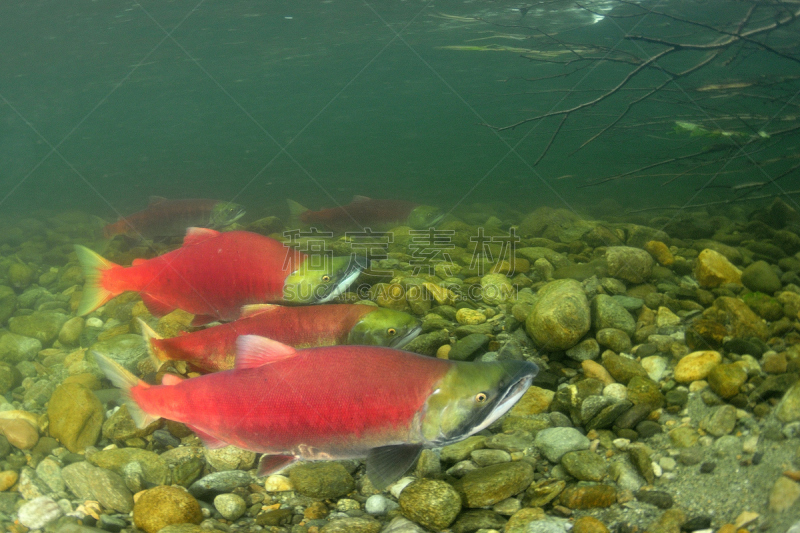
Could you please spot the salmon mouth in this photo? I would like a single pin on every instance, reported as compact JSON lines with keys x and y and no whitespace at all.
{"x":350,"y":275}
{"x":511,"y":396}
{"x":410,"y":335}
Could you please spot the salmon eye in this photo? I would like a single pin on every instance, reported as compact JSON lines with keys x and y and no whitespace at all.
{"x":480,"y":397}
{"x":391,"y":331}
{"x":326,"y":278}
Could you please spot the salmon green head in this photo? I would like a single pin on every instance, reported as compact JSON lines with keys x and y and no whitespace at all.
{"x":424,"y":216}
{"x":471,"y":396}
{"x":224,"y":214}
{"x":320,"y":279}
{"x":385,"y":327}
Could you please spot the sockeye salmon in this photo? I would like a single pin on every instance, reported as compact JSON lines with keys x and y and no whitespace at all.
{"x":365,"y":212}
{"x":336,"y":402}
{"x":214,"y":274}
{"x":213,"y":349}
{"x":171,"y":218}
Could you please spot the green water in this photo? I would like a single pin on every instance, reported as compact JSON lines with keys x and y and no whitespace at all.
{"x":106,"y":103}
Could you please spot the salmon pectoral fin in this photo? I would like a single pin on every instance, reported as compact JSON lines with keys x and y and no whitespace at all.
{"x":198,"y":235}
{"x":155,"y":306}
{"x":209,"y":441}
{"x":269,"y":464}
{"x":253,"y":351}
{"x":386,"y":464}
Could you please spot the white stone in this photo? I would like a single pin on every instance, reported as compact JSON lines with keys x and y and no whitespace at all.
{"x":278,"y":483}
{"x":655,"y":367}
{"x":618,"y":391}
{"x":397,"y":487}
{"x":94,"y":322}
{"x":379,"y":505}
{"x":39,"y":512}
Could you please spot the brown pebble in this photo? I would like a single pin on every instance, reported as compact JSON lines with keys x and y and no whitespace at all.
{"x":7,"y":479}
{"x":588,"y":497}
{"x":727,"y":528}
{"x":20,"y":433}
{"x":774,"y":363}
{"x":588,"y":524}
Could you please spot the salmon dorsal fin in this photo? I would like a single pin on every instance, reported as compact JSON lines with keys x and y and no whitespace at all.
{"x":196,"y":235}
{"x":138,"y":261}
{"x":357,"y":199}
{"x":257,"y":309}
{"x":253,"y":351}
{"x":155,"y":200}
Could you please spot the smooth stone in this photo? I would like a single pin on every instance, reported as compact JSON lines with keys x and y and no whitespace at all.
{"x":401,"y":524}
{"x":8,"y":303}
{"x":486,"y":486}
{"x":469,"y":347}
{"x":154,"y":468}
{"x":560,"y":317}
{"x":614,"y":339}
{"x":645,"y":391}
{"x":759,"y":277}
{"x":49,"y":471}
{"x":490,"y":457}
{"x":20,"y":433}
{"x":453,"y":453}
{"x":219,"y":483}
{"x":555,"y":442}
{"x":478,"y":520}
{"x":39,"y":512}
{"x":585,"y":350}
{"x":683,"y":437}
{"x":126,"y":349}
{"x":628,"y":263}
{"x":70,"y":332}
{"x":655,"y":366}
{"x":585,"y":465}
{"x":230,"y":506}
{"x":162,"y":506}
{"x":230,"y":458}
{"x":713,"y":269}
{"x":323,"y":480}
{"x":588,"y":496}
{"x":352,"y":525}
{"x":496,"y":289}
{"x":659,"y":498}
{"x":16,"y":348}
{"x":607,"y":313}
{"x":741,"y":321}
{"x":431,"y":503}
{"x":721,"y":421}
{"x":469,"y":316}
{"x":75,"y":415}
{"x":696,"y":366}
{"x":622,"y":368}
{"x":43,"y":326}
{"x":726,"y":380}
{"x":666,"y":318}
{"x":783,"y":495}
{"x":788,"y":410}
{"x":589,"y":524}
{"x":89,"y":482}
{"x":379,"y":505}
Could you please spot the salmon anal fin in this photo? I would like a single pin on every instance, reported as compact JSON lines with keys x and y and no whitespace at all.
{"x":253,"y":351}
{"x":386,"y":464}
{"x":198,"y":235}
{"x":210,"y":442}
{"x":359,"y":198}
{"x":155,"y":200}
{"x":156,"y":306}
{"x":269,"y":464}
{"x":257,"y":309}
{"x":202,"y":320}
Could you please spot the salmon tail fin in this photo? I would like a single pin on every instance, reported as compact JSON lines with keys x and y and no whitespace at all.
{"x":94,"y":268}
{"x":122,"y":378}
{"x":296,"y":212}
{"x":157,"y":357}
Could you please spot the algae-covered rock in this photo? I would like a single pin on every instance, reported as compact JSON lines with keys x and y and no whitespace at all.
{"x":321,"y":480}
{"x":712,"y":269}
{"x":431,"y":503}
{"x":163,"y":506}
{"x":75,"y":415}
{"x":628,"y":263}
{"x":8,"y":303}
{"x":759,"y":277}
{"x":41,"y":325}
{"x":560,"y":317}
{"x":486,"y":486}
{"x":127,"y":349}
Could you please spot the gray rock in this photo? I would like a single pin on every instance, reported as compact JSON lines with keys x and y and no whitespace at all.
{"x":469,"y":347}
{"x":219,"y":483}
{"x":30,"y":486}
{"x":39,"y":512}
{"x":401,"y":524}
{"x":324,"y":479}
{"x":230,"y":458}
{"x":510,"y":441}
{"x":630,"y":303}
{"x":585,"y":350}
{"x":379,"y":505}
{"x":549,"y":525}
{"x":788,"y":409}
{"x":230,"y":506}
{"x":721,"y":420}
{"x":614,"y":339}
{"x":534,"y":253}
{"x":16,"y":348}
{"x":631,"y":264}
{"x":453,"y":453}
{"x":555,"y":442}
{"x":127,"y":350}
{"x":478,"y":520}
{"x":490,"y":457}
{"x":352,"y":525}
{"x":49,"y":471}
{"x":90,"y":482}
{"x":560,"y":317}
{"x":607,"y":313}
{"x":759,"y":277}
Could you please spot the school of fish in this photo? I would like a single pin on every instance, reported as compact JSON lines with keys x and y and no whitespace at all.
{"x":292,"y":381}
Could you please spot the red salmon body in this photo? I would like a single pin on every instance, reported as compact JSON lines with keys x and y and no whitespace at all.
{"x":213,"y":349}
{"x":333,"y":402}
{"x":169,"y":218}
